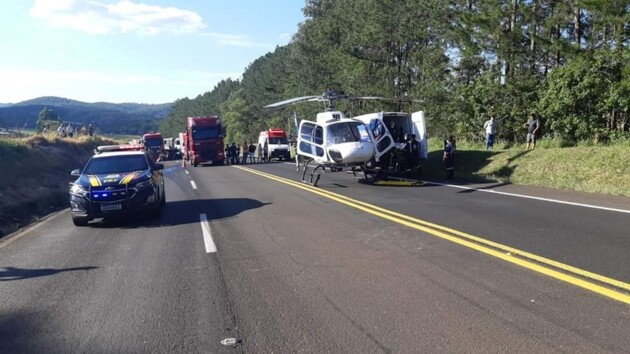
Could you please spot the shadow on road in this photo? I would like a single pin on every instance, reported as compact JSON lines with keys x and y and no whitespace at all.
{"x":13,"y":273}
{"x":184,"y":212}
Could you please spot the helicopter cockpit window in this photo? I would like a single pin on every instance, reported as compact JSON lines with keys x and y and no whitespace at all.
{"x":346,"y":132}
{"x":318,"y":136}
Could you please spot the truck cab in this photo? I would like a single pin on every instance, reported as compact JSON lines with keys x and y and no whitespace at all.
{"x":154,"y":145}
{"x":204,"y":140}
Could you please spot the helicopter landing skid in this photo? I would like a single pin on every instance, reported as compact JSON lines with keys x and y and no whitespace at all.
{"x":380,"y":177}
{"x":313,"y":175}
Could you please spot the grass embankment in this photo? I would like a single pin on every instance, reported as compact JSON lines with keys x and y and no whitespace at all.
{"x":35,"y":172}
{"x":594,"y":169}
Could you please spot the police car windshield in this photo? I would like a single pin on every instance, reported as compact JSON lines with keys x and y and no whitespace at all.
{"x":116,"y":164}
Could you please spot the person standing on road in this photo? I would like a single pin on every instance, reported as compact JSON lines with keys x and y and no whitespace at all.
{"x":449,"y":157}
{"x":489,"y":126}
{"x":252,"y":152}
{"x":233,"y":151}
{"x":532,"y":125}
{"x":266,"y":151}
{"x":245,"y":152}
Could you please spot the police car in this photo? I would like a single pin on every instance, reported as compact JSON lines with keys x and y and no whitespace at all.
{"x":118,"y":179}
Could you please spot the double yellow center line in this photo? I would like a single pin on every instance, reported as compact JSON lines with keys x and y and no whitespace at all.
{"x":600,"y":284}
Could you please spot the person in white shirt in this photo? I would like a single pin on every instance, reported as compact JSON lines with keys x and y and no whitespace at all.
{"x":489,"y":126}
{"x":69,"y":130}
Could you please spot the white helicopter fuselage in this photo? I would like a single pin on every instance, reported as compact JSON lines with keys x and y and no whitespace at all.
{"x":335,"y":140}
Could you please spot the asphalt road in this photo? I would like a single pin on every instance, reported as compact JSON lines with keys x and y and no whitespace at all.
{"x":342,"y":268}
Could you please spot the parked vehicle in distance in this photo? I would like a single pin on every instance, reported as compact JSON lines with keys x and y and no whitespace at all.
{"x":277,"y":143}
{"x":118,"y":179}
{"x":204,"y":140}
{"x":154,"y":145}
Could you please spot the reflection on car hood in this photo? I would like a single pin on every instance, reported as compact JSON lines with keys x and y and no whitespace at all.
{"x":112,"y":179}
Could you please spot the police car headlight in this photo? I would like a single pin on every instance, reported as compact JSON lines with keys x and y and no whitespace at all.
{"x":143,"y":184}
{"x":79,"y":190}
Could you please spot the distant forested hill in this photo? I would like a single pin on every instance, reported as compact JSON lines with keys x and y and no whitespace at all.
{"x":116,"y":118}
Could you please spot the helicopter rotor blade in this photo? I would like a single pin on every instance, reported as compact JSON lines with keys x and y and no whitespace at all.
{"x":290,"y":102}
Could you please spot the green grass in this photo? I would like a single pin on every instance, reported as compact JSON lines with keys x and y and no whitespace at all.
{"x":585,"y":167}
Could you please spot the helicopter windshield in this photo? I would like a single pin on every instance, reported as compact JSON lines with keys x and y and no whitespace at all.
{"x":346,"y":132}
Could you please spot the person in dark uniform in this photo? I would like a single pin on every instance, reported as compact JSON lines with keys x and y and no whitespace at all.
{"x":449,"y":157}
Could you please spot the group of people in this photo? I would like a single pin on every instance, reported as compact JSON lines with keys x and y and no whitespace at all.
{"x":532,"y":125}
{"x":239,"y":155}
{"x":533,"y":128}
{"x":70,"y":131}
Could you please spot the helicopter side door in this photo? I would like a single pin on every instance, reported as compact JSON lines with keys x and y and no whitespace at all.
{"x":311,"y":141}
{"x":383,"y":141}
{"x":420,"y":130}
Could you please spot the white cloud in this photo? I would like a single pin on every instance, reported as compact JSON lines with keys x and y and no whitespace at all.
{"x":124,"y":16}
{"x":235,"y":40}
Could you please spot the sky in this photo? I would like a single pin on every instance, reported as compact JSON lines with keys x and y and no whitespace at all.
{"x":144,"y":51}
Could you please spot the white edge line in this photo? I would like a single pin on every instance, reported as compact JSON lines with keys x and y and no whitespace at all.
{"x":531,"y":197}
{"x":193,"y":184}
{"x":207,"y":234}
{"x":10,"y":239}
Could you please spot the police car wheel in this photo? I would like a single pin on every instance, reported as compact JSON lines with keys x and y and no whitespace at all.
{"x":79,"y":220}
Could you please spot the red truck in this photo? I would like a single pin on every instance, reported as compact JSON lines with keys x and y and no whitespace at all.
{"x":204,"y":140}
{"x":154,"y":145}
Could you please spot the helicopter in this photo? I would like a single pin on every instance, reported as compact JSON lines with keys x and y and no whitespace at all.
{"x":364,"y":143}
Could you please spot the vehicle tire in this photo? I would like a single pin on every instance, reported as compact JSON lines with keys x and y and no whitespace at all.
{"x":79,"y":220}
{"x":163,"y":201}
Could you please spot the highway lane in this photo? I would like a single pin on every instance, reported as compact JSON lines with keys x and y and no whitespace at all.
{"x":592,"y":239}
{"x":304,"y":272}
{"x":294,"y":271}
{"x":122,"y":286}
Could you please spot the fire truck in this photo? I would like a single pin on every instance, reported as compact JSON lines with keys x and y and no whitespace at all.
{"x":204,"y":140}
{"x":154,"y":145}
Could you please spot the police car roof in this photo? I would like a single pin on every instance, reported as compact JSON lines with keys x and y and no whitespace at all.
{"x":118,"y":153}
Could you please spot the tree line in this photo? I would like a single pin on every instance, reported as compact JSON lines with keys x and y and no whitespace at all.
{"x":463,"y":61}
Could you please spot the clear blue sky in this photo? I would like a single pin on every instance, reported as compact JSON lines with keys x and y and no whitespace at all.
{"x":145,"y":51}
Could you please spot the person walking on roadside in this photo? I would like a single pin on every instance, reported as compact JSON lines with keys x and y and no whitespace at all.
{"x":260,"y":153}
{"x":449,"y":157}
{"x":532,"y":125}
{"x":245,"y":152}
{"x":490,"y":128}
